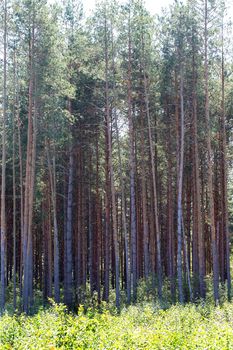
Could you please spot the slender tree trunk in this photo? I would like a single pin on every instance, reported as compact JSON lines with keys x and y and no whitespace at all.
{"x":155,"y":196}
{"x":224,"y":171}
{"x":110,"y":166}
{"x":187,"y":262}
{"x":144,"y":215}
{"x":68,"y":293}
{"x":179,"y":195}
{"x":29,"y":181}
{"x":107,"y":229}
{"x":122,"y":185}
{"x":52,"y":175}
{"x":14,"y":192}
{"x":31,"y":196}
{"x":90,"y":235}
{"x":170,"y":218}
{"x":197,"y":189}
{"x":98,"y":234}
{"x":64,"y":232}
{"x":210,"y":164}
{"x":55,"y":239}
{"x":21,"y":188}
{"x":132,"y":168}
{"x":145,"y":225}
{"x":3,"y":184}
{"x":78,"y":227}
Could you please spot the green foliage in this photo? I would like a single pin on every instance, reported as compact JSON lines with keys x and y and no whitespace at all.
{"x":144,"y":326}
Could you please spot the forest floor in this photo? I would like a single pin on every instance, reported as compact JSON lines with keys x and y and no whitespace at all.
{"x":144,"y":326}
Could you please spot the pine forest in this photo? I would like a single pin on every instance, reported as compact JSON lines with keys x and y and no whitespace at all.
{"x":116,"y":163}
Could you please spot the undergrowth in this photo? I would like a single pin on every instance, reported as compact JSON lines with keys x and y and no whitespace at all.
{"x":144,"y":326}
{"x":149,"y":324}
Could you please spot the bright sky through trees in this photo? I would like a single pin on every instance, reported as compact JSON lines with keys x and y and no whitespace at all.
{"x":153,"y":6}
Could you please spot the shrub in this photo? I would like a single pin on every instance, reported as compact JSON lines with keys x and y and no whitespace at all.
{"x":144,"y":326}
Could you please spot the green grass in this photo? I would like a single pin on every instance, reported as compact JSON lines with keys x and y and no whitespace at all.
{"x":137,"y":327}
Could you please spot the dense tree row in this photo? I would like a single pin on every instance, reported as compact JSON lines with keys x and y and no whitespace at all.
{"x":114,"y":151}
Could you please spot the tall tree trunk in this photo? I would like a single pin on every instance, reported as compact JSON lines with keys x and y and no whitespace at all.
{"x":155,"y":196}
{"x":224,"y":171}
{"x":90,"y":233}
{"x":210,"y":164}
{"x":97,"y":239}
{"x":29,"y":181}
{"x":52,"y":176}
{"x":107,"y":228}
{"x":14,"y":189}
{"x":144,"y":212}
{"x":132,"y":166}
{"x":187,"y":262}
{"x":3,"y":184}
{"x":68,"y":293}
{"x":122,"y":185}
{"x":197,"y":218}
{"x":179,"y":195}
{"x":110,"y":166}
{"x":21,"y":187}
{"x":170,"y":217}
{"x":145,"y":226}
{"x":31,"y":199}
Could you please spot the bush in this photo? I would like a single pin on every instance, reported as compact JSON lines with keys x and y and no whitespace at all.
{"x":144,"y":326}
